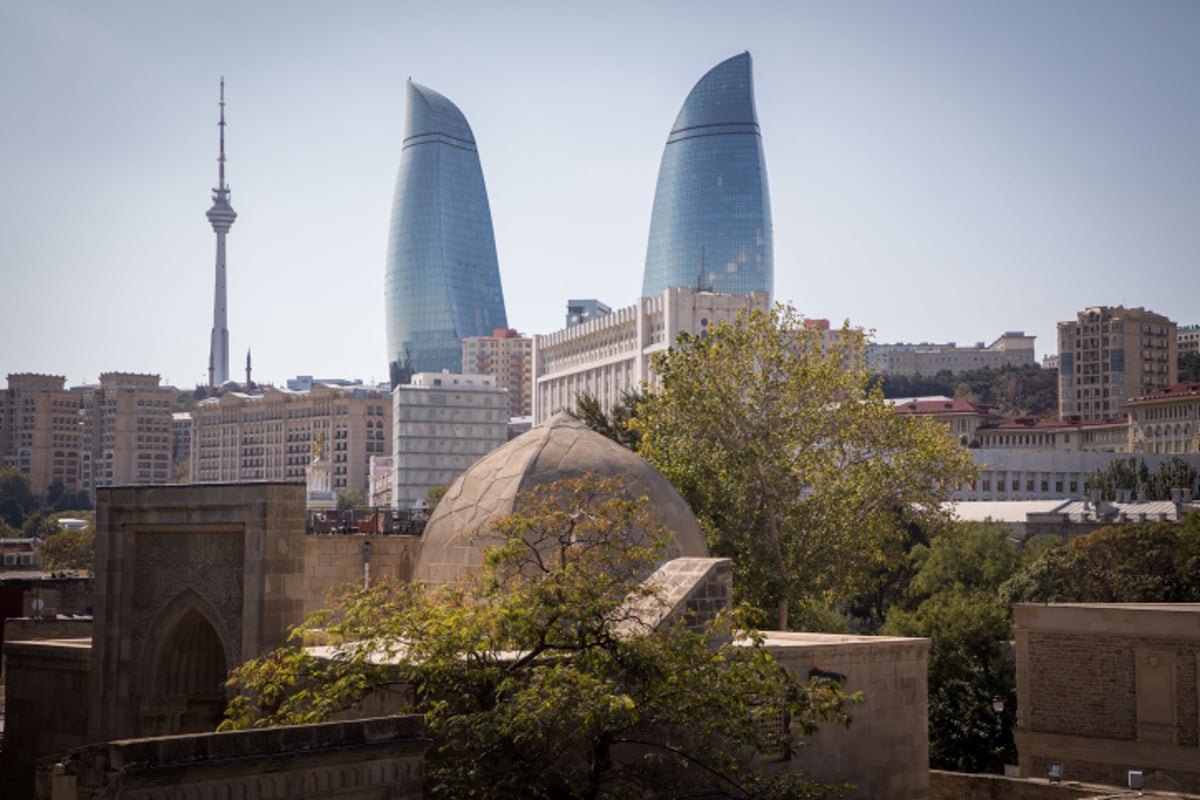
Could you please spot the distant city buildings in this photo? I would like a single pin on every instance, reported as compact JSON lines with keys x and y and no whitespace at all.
{"x":582,"y":310}
{"x":1013,"y":348}
{"x":40,"y":430}
{"x":1110,"y":355}
{"x":443,"y":277}
{"x":962,"y":418}
{"x":710,"y":227}
{"x":1166,"y":420}
{"x":508,"y":357}
{"x":610,"y":354}
{"x":442,"y":422}
{"x":1189,"y":339}
{"x":273,"y":434}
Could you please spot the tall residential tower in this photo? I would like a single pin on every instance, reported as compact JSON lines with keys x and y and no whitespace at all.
{"x":710,"y":228}
{"x":221,"y":216}
{"x":443,"y":278}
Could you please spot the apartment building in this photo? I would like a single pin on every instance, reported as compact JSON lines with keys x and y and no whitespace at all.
{"x":127,"y":434}
{"x":611,"y":353}
{"x":508,"y":357}
{"x":1166,"y":421}
{"x":271,"y":435}
{"x":1108,"y":356}
{"x":1188,"y":339}
{"x":443,"y":423}
{"x":1013,"y":348}
{"x":40,"y":430}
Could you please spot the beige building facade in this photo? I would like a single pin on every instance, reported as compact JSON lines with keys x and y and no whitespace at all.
{"x":1012,"y":348}
{"x":1188,"y":338}
{"x":1073,"y":436}
{"x":508,"y":357}
{"x":1166,"y":421}
{"x":40,"y":430}
{"x":1109,"y":355}
{"x":127,"y":434}
{"x":1108,"y":689}
{"x":612,"y":353}
{"x":961,"y":418}
{"x":271,"y":435}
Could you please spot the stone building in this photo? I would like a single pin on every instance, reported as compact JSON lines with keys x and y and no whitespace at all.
{"x":611,"y":353}
{"x":1166,"y":420}
{"x":1108,"y":689}
{"x":1011,"y":349}
{"x":40,"y":430}
{"x":1109,"y":435}
{"x":962,"y":418}
{"x":1109,"y":355}
{"x":127,"y":434}
{"x":1031,"y":474}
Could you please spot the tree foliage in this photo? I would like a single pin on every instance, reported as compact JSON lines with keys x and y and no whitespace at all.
{"x":17,"y":500}
{"x":791,"y":459}
{"x":70,"y":550}
{"x":1027,"y":391}
{"x":542,"y":676}
{"x":956,"y":600}
{"x":1131,"y":474}
{"x":1151,"y":562}
{"x":617,"y":424}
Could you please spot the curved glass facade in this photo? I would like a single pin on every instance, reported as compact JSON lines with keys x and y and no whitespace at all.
{"x":443,"y":278}
{"x":711,"y":224}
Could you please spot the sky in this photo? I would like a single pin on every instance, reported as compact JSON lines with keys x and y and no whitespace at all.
{"x":939,"y":170}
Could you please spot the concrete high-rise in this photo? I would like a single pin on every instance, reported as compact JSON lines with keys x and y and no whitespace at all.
{"x":221,"y":216}
{"x":710,"y":228}
{"x":443,"y":277}
{"x":1108,"y":356}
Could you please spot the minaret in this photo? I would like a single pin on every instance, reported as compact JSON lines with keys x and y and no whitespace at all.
{"x":221,"y":216}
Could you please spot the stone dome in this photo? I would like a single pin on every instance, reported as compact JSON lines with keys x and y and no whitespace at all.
{"x":561,"y":447}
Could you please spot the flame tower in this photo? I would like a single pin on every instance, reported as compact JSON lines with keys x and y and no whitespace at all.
{"x":221,"y":216}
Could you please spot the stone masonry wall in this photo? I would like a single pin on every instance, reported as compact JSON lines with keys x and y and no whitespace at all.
{"x":333,"y":561}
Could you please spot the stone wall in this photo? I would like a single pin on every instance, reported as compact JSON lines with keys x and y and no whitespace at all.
{"x":962,"y":786}
{"x":1103,"y":689}
{"x":371,"y":759}
{"x":331,"y":561}
{"x":46,"y":686}
{"x":191,"y":581}
{"x":24,"y":629}
{"x":885,"y":751}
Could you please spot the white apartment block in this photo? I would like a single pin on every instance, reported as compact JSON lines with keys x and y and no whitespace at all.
{"x":272,"y":435}
{"x":611,"y":353}
{"x":1013,"y":348}
{"x":1041,"y":474}
{"x":1108,"y":356}
{"x":443,"y":423}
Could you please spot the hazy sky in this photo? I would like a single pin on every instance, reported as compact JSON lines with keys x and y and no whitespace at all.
{"x":939,"y":170}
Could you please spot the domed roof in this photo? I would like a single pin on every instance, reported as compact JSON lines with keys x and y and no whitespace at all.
{"x":561,"y":447}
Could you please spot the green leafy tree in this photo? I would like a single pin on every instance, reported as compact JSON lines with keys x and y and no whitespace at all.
{"x":956,"y":601}
{"x":16,"y":498}
{"x":1131,"y":474}
{"x":618,"y":424}
{"x":70,"y":550}
{"x":1151,"y":562}
{"x":544,"y":675}
{"x":791,"y":459}
{"x":1027,"y":391}
{"x":350,"y":499}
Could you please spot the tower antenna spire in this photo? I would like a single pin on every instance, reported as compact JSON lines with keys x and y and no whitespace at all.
{"x":221,"y":216}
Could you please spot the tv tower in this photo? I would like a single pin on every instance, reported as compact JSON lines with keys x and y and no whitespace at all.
{"x":221,"y":216}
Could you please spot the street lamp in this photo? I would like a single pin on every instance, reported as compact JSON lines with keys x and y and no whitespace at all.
{"x":366,"y":563}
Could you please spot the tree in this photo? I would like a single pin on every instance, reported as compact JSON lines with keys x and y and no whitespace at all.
{"x":542,"y":676}
{"x":70,"y":550}
{"x":793,"y":462}
{"x":16,"y":496}
{"x":1150,"y":562}
{"x":618,"y":424}
{"x":1131,"y":474}
{"x":350,"y":499}
{"x":956,"y":600}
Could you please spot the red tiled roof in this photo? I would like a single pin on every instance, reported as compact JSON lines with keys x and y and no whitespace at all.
{"x":1170,"y":393}
{"x":942,"y":407}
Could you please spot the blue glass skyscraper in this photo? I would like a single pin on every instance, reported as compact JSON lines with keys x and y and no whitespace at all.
{"x":443,"y":278}
{"x":710,"y":228}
